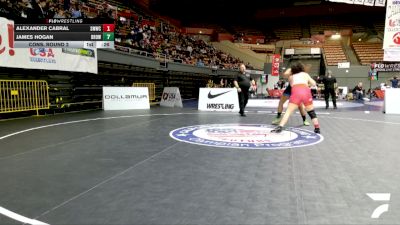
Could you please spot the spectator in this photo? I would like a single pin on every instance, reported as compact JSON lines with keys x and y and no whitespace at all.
{"x":200,"y":63}
{"x":395,"y":82}
{"x":280,"y":84}
{"x":358,"y":91}
{"x":60,"y":14}
{"x":39,"y":9}
{"x":5,"y":9}
{"x":76,"y":11}
{"x":66,"y":4}
{"x":382,"y":86}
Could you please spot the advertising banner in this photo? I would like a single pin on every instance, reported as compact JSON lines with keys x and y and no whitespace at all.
{"x":392,"y":25}
{"x":275,"y":64}
{"x":125,"y":98}
{"x":219,"y":99}
{"x":171,"y":97}
{"x":386,"y":67}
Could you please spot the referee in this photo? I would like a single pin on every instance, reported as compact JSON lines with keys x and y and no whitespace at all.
{"x":330,"y":85}
{"x":242,"y":83}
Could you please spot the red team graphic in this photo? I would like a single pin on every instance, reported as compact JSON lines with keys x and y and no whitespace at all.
{"x":396,"y":38}
{"x":10,"y":29}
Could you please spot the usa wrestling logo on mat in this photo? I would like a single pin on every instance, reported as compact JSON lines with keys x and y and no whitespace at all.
{"x":246,"y":136}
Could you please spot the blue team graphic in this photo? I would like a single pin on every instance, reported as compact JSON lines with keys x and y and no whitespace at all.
{"x":246,"y":136}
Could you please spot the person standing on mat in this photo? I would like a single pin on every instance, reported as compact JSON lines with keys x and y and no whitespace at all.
{"x":301,"y":94}
{"x":285,"y":96}
{"x":330,"y":86}
{"x":242,"y":83}
{"x":395,"y":82}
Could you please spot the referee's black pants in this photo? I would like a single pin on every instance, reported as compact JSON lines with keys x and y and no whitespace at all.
{"x":243,"y":99}
{"x":327,"y":92}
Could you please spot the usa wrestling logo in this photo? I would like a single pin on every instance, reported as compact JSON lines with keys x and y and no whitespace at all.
{"x":245,"y":136}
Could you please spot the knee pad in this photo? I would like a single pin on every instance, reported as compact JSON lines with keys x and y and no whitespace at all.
{"x":312,"y":114}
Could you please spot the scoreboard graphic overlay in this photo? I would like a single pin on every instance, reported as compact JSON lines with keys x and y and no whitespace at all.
{"x":64,"y":33}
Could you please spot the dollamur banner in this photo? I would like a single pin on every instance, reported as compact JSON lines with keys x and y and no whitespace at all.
{"x":65,"y":59}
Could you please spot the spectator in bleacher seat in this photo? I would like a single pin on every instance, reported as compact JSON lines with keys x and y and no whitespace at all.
{"x":5,"y":9}
{"x":330,"y":86}
{"x":395,"y":82}
{"x":25,"y":8}
{"x":39,"y":9}
{"x":358,"y":91}
{"x":67,"y":4}
{"x":53,"y":9}
{"x":200,"y":63}
{"x":176,"y":46}
{"x":76,"y":11}
{"x":60,"y":14}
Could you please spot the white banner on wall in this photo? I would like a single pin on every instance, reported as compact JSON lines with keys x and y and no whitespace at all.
{"x":380,"y":3}
{"x":289,"y":51}
{"x":344,"y":65}
{"x":125,"y":98}
{"x":65,"y":59}
{"x":315,"y":51}
{"x":392,"y":25}
{"x":359,"y":2}
{"x":171,"y":97}
{"x":391,"y":55}
{"x":219,"y":99}
{"x":369,"y":2}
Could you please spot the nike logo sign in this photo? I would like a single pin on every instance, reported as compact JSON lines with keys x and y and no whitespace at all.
{"x":211,"y":96}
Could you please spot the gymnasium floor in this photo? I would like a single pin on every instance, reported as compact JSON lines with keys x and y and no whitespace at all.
{"x":124,"y":167}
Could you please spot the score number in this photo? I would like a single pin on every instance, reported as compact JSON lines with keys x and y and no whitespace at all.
{"x":108,"y":36}
{"x":108,"y":28}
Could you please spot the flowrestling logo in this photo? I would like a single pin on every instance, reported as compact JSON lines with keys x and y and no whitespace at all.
{"x":245,"y":136}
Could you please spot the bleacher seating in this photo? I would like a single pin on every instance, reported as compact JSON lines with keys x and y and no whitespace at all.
{"x":334,"y":54}
{"x":368,"y":52}
{"x":148,"y":36}
{"x":319,"y":26}
{"x":288,"y":32}
{"x":379,"y":26}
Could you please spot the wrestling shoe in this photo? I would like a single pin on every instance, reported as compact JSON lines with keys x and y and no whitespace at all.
{"x":276,"y":121}
{"x":317,"y":131}
{"x":306,"y":123}
{"x":277,"y":129}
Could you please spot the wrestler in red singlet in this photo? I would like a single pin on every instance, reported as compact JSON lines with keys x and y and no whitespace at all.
{"x":301,"y":94}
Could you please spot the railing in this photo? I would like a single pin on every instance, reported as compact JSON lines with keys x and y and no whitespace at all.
{"x":23,"y":95}
{"x":139,"y":52}
{"x":150,"y":86}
